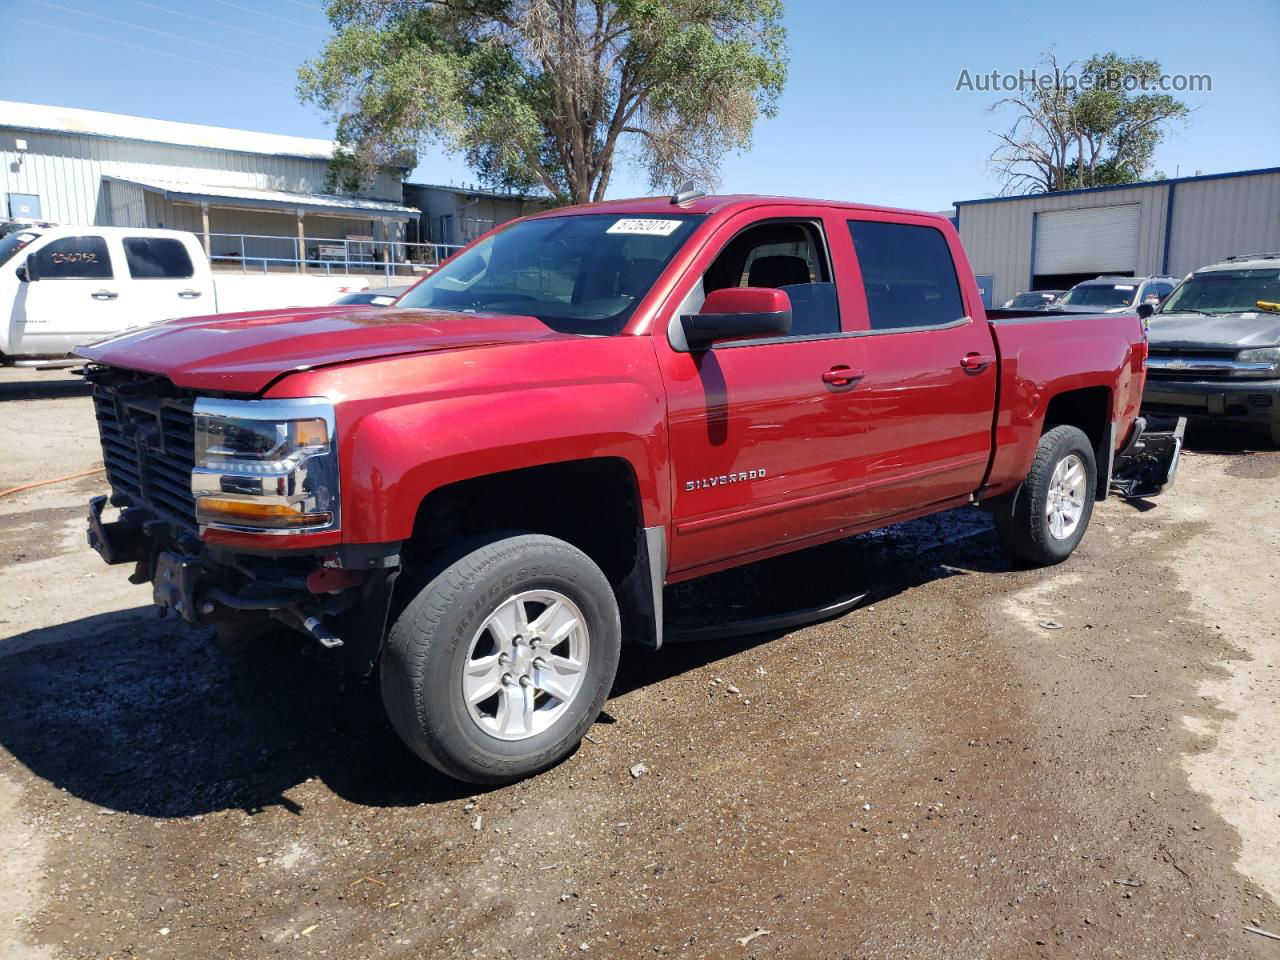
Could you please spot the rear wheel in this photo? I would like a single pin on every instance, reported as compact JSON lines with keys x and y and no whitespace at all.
{"x":1045,"y":519}
{"x":502,"y":660}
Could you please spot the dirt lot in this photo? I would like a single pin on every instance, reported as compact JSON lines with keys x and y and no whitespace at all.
{"x":933,"y":775}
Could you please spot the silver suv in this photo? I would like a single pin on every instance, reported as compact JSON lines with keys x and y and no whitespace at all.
{"x":1115,"y":294}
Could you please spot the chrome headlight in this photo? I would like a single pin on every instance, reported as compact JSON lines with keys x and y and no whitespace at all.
{"x":266,"y":466}
{"x":1259,"y":362}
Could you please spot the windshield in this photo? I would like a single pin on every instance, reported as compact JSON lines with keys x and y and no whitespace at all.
{"x":1101,"y":295}
{"x":12,"y":239}
{"x":1225,"y":291}
{"x":577,"y":274}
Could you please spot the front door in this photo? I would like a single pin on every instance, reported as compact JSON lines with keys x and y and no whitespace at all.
{"x":74,"y":296}
{"x":762,"y":434}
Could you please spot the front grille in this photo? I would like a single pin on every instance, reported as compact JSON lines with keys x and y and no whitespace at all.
{"x":148,"y":443}
{"x":1200,"y":363}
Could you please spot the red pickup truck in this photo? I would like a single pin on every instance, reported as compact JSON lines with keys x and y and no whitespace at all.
{"x":481,"y":490}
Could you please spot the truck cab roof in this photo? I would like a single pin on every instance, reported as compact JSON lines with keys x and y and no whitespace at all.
{"x":717,"y":204}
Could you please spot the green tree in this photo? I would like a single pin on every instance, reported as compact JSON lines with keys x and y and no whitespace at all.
{"x":546,"y":93}
{"x":1099,"y":123}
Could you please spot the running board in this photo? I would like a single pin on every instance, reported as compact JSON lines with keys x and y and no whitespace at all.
{"x":782,"y":621}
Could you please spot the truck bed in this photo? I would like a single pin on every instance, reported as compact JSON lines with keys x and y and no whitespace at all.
{"x":1106,"y":354}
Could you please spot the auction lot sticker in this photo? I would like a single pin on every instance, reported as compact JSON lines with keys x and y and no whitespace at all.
{"x":645,"y":227}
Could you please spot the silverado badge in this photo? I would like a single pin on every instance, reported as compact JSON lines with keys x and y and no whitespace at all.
{"x":724,"y":478}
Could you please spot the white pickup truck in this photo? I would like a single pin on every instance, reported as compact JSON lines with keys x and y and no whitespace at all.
{"x":61,"y":286}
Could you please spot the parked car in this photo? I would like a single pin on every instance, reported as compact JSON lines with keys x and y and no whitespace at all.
{"x":61,"y":286}
{"x":1115,"y":294}
{"x":481,"y":494}
{"x":373,"y":297}
{"x":1215,"y":345}
{"x":1033,"y":300}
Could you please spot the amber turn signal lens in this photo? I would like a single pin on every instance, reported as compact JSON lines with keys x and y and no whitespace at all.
{"x":272,"y":516}
{"x":309,"y":434}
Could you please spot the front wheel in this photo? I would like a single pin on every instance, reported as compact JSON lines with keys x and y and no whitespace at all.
{"x":501,"y":661}
{"x":1047,"y":516}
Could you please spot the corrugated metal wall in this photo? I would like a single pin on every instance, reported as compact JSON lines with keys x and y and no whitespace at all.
{"x":470,"y":216}
{"x":66,"y":172}
{"x":999,"y":238}
{"x":127,"y":203}
{"x":1213,"y":219}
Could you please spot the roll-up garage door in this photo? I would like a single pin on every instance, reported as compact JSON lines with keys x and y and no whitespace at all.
{"x":1093,"y":240}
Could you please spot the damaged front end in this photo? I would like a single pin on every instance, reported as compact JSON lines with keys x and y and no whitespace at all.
{"x":263,"y":471}
{"x":1147,"y":465}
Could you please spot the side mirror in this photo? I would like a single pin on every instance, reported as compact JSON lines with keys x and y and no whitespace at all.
{"x":27,"y":270}
{"x":738,"y":312}
{"x":1145,"y":310}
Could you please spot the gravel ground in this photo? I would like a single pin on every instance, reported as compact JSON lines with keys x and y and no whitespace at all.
{"x":935,"y":774}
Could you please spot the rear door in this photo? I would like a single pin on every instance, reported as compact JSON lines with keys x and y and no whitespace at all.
{"x":75,"y":297}
{"x":928,"y":398}
{"x":166,"y":279}
{"x":762,"y":438}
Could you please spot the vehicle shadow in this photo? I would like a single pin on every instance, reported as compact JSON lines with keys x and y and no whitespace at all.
{"x":882,"y":563}
{"x":1226,"y":438}
{"x":148,"y":716}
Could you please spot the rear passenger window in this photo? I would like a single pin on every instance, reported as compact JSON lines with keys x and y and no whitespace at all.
{"x":908,"y":274}
{"x":784,"y":256}
{"x":73,"y":258}
{"x":157,"y":258}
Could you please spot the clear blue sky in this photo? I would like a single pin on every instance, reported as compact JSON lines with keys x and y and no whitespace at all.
{"x":870,"y":111}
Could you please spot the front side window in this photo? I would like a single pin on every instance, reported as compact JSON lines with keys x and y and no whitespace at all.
{"x":157,"y":258}
{"x":1225,"y":291}
{"x":908,"y":274}
{"x":1101,"y":295}
{"x":577,"y":274}
{"x":73,"y":258}
{"x":785,"y":256}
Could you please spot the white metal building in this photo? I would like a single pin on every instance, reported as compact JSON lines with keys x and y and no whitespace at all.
{"x":1054,"y":240}
{"x":251,"y":196}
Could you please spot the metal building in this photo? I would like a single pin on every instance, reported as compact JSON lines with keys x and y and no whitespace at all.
{"x":253,"y":197}
{"x":1055,"y":240}
{"x":457,"y":215}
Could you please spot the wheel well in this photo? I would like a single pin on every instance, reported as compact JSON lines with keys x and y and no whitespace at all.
{"x":1088,"y":409}
{"x":592,"y":504}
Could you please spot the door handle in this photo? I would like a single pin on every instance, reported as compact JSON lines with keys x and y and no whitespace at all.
{"x":104,"y":294}
{"x":976,"y":362}
{"x":188,"y":294}
{"x":842,"y":376}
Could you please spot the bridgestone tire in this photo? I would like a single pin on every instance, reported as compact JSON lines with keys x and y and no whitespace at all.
{"x":1022,"y":524}
{"x":429,"y":645}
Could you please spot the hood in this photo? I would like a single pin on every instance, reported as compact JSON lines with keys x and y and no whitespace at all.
{"x":244,"y":352}
{"x":1229,"y":331}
